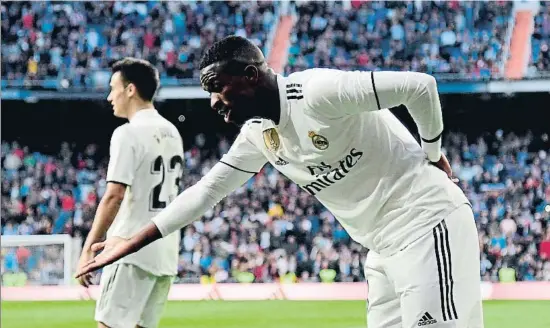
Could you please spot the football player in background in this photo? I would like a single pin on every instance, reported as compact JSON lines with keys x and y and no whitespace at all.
{"x":145,"y":167}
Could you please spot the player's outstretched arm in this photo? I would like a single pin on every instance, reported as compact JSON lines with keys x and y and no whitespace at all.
{"x":190,"y":205}
{"x":346,"y":93}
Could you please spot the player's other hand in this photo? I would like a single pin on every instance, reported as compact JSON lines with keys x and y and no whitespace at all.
{"x":86,"y":256}
{"x":443,"y":164}
{"x":114,"y":248}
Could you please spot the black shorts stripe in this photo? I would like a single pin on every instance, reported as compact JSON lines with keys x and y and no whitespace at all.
{"x":236,"y":168}
{"x":450,"y":269}
{"x":434,"y":139}
{"x":445,"y":269}
{"x":295,"y":97}
{"x":438,"y":260}
{"x":374,"y":89}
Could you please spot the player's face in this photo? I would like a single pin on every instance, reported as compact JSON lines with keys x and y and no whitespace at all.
{"x":234,"y":97}
{"x":118,"y":97}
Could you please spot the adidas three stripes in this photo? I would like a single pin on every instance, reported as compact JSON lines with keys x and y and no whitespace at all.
{"x":433,"y":282}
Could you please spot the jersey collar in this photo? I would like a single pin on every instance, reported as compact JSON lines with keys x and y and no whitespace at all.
{"x":285,"y":110}
{"x":144,"y":113}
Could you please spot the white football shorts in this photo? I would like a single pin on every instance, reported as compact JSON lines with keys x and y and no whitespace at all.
{"x":131,"y":296}
{"x":434,"y":282}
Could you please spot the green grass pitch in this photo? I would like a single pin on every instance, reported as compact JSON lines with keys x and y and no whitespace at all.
{"x":262,"y":314}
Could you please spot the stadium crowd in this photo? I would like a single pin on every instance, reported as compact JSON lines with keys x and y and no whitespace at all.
{"x":269,"y":229}
{"x":75,"y":42}
{"x":67,"y":40}
{"x":464,"y":38}
{"x":540,"y":41}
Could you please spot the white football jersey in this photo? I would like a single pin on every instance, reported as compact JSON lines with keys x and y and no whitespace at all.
{"x":146,"y":154}
{"x":357,"y":159}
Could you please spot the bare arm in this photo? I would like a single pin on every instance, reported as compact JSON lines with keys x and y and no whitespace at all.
{"x":106,"y":213}
{"x":120,"y":174}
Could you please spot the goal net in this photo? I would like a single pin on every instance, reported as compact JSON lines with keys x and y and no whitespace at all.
{"x":37,"y":260}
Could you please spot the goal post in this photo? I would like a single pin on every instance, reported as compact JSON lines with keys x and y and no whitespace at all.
{"x":37,"y":259}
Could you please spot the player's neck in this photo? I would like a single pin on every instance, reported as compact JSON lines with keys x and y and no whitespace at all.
{"x":139,"y":106}
{"x":269,"y":93}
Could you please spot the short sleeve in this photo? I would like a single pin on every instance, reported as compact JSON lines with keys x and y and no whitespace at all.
{"x":243,"y":154}
{"x":122,"y":161}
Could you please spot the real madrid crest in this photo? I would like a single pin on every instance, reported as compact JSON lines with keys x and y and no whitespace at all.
{"x":271,"y":139}
{"x":319,"y":141}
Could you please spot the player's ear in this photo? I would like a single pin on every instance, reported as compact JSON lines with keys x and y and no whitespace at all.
{"x":130,"y":90}
{"x":251,"y":74}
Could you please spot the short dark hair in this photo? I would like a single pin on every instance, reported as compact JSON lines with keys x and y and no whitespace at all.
{"x":232,"y":48}
{"x":140,"y":73}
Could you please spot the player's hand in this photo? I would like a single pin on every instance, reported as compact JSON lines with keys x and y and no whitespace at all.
{"x":443,"y":164}
{"x":114,"y":248}
{"x":86,"y":256}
